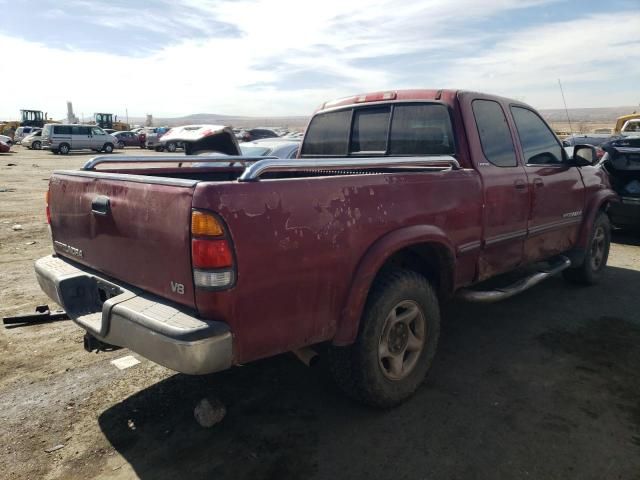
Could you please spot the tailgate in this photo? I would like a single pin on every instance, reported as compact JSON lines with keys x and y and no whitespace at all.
{"x":133,"y":228}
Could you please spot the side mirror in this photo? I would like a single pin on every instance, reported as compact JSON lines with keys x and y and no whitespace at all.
{"x":584,"y":155}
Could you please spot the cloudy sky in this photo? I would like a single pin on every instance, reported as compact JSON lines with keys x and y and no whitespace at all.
{"x":284,"y":57}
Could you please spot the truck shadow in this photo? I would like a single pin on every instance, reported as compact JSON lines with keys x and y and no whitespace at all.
{"x":547,"y":382}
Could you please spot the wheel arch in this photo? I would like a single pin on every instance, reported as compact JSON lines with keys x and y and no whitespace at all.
{"x":599,"y":203}
{"x":421,"y":248}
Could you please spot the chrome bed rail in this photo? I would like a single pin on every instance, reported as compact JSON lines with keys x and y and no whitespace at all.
{"x":253,"y":171}
{"x":226,"y":159}
{"x":254,"y":167}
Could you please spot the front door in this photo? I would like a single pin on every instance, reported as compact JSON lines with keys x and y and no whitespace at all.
{"x":556,"y":187}
{"x":98,"y":138}
{"x":506,"y":194}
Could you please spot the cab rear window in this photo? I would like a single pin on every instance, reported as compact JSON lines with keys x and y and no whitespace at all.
{"x":397,"y":129}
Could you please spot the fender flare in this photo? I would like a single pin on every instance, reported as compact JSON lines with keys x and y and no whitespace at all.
{"x":369,"y":266}
{"x":594,"y":206}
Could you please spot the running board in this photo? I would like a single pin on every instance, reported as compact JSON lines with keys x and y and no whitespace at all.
{"x":495,"y":295}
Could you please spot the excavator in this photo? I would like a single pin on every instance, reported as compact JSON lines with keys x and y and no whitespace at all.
{"x":28,"y":118}
{"x":108,"y":120}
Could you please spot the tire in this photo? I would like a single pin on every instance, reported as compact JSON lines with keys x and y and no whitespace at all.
{"x":120,"y":145}
{"x":388,"y":361}
{"x":171,"y":147}
{"x":36,"y":145}
{"x":158,"y":149}
{"x":64,"y":148}
{"x":55,"y":152}
{"x":591,"y":270}
{"x":108,"y":148}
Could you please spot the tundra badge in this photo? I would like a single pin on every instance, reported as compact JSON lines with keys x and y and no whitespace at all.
{"x":69,"y":249}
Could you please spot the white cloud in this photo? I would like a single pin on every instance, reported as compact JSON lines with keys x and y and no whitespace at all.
{"x":589,"y":55}
{"x":335,"y":38}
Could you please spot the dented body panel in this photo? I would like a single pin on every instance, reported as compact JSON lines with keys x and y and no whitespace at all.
{"x":300,"y":241}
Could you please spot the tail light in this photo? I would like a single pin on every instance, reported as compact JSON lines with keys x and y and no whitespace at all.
{"x":46,"y":203}
{"x":376,"y":97}
{"x":212,"y":256}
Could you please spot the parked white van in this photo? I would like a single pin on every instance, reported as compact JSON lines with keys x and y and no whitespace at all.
{"x":64,"y":138}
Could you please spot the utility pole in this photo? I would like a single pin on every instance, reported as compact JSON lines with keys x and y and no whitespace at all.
{"x":565,"y":107}
{"x":127,"y":111}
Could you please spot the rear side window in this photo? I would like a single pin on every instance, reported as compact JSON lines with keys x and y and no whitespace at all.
{"x":62,"y":130}
{"x":415,"y":129}
{"x":421,"y":130}
{"x":370,"y":128}
{"x":539,"y":144}
{"x":495,"y":136}
{"x":328,"y":134}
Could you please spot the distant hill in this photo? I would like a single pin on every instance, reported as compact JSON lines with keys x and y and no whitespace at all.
{"x":589,"y":115}
{"x":297,"y":122}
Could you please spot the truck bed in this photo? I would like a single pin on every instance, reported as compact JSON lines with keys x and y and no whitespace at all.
{"x":298,"y":236}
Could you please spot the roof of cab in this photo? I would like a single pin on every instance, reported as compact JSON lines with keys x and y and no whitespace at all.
{"x":444,"y":95}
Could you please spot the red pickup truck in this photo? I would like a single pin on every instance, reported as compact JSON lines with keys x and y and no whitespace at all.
{"x":398,"y":201}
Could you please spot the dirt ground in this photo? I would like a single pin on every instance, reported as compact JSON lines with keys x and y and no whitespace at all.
{"x":545,"y":385}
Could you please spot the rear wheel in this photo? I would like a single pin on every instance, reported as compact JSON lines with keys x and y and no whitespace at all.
{"x":37,"y":145}
{"x":64,"y":148}
{"x":171,"y":147}
{"x":595,"y":258}
{"x":396,"y":344}
{"x":158,"y":149}
{"x":120,"y":145}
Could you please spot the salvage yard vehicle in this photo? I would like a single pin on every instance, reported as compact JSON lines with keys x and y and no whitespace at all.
{"x":64,"y":138}
{"x":201,"y":139}
{"x":622,"y":162}
{"x":398,"y":202}
{"x":23,"y":132}
{"x":276,"y":147}
{"x":153,"y":137}
{"x":33,"y":141}
{"x":127,"y":139}
{"x":4,"y":147}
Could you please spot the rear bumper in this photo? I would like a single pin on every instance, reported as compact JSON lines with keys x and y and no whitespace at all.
{"x":126,"y":317}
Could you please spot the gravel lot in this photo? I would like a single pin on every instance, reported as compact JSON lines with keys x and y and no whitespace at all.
{"x":544,"y":385}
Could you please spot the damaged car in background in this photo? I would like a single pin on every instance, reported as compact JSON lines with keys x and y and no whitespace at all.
{"x":622,"y":162}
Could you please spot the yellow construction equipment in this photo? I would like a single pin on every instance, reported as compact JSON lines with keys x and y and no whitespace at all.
{"x":108,"y":120}
{"x":623,"y":119}
{"x":28,"y":118}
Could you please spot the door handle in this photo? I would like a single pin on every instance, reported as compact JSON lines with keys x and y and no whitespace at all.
{"x":538,"y":183}
{"x":100,"y":205}
{"x":520,"y":185}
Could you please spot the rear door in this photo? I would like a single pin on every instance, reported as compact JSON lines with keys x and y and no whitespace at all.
{"x":556,"y":187}
{"x":506,"y":194}
{"x":132,"y":228}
